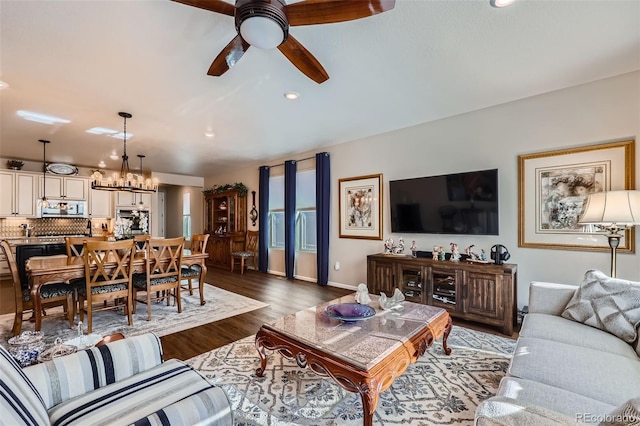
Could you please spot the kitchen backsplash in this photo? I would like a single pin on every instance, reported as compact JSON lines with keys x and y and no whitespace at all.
{"x":10,"y":227}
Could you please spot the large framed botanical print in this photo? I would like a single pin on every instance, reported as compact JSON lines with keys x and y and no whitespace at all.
{"x":360,"y":205}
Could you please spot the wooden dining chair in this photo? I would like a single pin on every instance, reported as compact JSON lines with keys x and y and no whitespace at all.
{"x":75,"y":245}
{"x":198,"y":245}
{"x":162,"y":277}
{"x":141,"y":242}
{"x":250,"y":252}
{"x":108,"y":269}
{"x":54,"y":294}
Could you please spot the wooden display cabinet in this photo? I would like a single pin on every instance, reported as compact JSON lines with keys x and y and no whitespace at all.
{"x":226,"y":222}
{"x":484,"y":293}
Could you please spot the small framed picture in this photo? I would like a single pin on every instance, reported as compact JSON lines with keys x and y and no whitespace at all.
{"x":360,"y":205}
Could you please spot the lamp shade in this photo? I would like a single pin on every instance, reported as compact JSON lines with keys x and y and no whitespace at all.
{"x":612,"y":207}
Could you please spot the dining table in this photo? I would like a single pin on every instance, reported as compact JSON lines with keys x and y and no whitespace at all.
{"x":48,"y":269}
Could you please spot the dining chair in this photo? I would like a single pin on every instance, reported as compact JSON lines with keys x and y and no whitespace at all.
{"x":108,"y":269}
{"x":250,"y":252}
{"x":75,"y":245}
{"x":198,"y":245}
{"x":54,"y":294}
{"x":162,"y":277}
{"x":141,"y":242}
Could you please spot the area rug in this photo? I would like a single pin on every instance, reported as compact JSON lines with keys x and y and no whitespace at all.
{"x":436,"y":390}
{"x":165,"y":319}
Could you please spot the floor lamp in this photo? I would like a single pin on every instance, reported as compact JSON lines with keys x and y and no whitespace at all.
{"x":614,"y":212}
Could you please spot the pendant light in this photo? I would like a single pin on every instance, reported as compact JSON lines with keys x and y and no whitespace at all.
{"x":124,"y":181}
{"x":43,"y":201}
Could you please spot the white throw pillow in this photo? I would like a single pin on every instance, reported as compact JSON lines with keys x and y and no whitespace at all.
{"x":610,"y":304}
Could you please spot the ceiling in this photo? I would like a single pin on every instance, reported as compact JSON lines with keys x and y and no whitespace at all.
{"x":424,"y":60}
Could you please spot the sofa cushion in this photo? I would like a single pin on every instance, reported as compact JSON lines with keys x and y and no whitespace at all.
{"x":20,"y":402}
{"x":134,"y":398}
{"x":576,"y":406}
{"x":501,"y":411}
{"x":73,"y":375}
{"x":599,"y":375}
{"x":208,"y":407}
{"x":628,"y":414}
{"x":610,"y":304}
{"x":553,"y":327}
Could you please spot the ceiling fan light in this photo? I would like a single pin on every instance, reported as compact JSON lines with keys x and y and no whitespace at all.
{"x":501,"y":3}
{"x":261,"y":32}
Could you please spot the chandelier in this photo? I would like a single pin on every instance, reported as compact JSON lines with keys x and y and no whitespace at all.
{"x":125,"y":180}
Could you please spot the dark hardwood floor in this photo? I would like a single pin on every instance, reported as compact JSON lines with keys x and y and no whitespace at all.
{"x":283,"y":296}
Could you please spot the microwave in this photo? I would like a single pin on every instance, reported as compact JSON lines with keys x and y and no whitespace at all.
{"x":64,"y":208}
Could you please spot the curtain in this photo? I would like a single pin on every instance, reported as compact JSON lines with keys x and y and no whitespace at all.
{"x":263,"y":219}
{"x":323,"y":213}
{"x":289,"y":217}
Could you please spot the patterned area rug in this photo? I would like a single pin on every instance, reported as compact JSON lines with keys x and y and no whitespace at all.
{"x":436,"y":390}
{"x":164,"y":319}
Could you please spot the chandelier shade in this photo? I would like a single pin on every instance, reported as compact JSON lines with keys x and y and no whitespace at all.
{"x":125,"y":181}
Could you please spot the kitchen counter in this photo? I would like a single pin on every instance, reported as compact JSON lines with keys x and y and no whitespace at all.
{"x":18,"y":241}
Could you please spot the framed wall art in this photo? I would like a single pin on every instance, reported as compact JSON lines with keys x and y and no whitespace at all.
{"x":554,"y":185}
{"x":360,"y":205}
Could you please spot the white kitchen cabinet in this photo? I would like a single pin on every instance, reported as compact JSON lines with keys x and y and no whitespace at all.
{"x":132,"y":199}
{"x":65,"y":187}
{"x":18,"y":194}
{"x":100,"y":204}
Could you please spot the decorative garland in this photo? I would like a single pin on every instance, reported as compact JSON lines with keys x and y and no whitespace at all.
{"x":238,"y":186}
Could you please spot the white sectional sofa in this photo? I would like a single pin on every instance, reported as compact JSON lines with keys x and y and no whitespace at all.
{"x":121,"y":383}
{"x":566,"y":372}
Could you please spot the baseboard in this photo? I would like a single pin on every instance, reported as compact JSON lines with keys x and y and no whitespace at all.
{"x":341,"y":285}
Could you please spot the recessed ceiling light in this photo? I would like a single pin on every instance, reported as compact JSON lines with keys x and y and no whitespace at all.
{"x":101,"y":164}
{"x":501,"y":3}
{"x":114,"y":156}
{"x":210,"y":135}
{"x":3,"y":85}
{"x":101,"y":131}
{"x":292,"y":96}
{"x":41,"y":118}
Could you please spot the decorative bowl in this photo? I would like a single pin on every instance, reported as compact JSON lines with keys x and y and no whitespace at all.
{"x":26,"y":347}
{"x":349,"y":312}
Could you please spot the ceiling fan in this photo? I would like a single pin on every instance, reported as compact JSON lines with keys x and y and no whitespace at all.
{"x":265,"y":24}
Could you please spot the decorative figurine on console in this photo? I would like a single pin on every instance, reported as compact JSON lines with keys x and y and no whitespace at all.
{"x":414,"y":249}
{"x":400,"y":248}
{"x":455,"y":254}
{"x":388,"y":246}
{"x":469,"y":252}
{"x":434,"y":253}
{"x":442,"y":255}
{"x":483,"y":255}
{"x":362,"y":295}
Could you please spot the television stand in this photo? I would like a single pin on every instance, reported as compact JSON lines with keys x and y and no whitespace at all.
{"x":478,"y":292}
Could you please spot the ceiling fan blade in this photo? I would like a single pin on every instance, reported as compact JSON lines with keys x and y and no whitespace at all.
{"x":218,"y":6}
{"x":311,"y":12}
{"x":229,"y":56}
{"x":303,"y":60}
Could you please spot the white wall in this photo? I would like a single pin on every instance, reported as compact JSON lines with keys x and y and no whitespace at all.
{"x":598,"y":112}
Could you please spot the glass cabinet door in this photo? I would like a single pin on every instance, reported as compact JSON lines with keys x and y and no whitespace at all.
{"x":232,"y":227}
{"x":411,"y":283}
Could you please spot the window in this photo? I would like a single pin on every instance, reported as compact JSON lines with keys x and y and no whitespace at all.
{"x":306,"y":239}
{"x":186,"y":215}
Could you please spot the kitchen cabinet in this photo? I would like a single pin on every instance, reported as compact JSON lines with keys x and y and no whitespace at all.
{"x":132,"y":199}
{"x":18,"y":194}
{"x":65,"y":187}
{"x":483,"y":293}
{"x":100,"y":204}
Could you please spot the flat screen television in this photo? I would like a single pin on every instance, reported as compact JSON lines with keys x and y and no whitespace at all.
{"x":458,"y":203}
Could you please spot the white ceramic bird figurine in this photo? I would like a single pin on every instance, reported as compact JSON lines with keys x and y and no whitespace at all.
{"x":362,"y":295}
{"x":391,"y":302}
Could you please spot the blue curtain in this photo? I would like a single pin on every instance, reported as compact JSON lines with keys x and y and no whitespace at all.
{"x":289,"y":217}
{"x":323,"y":213}
{"x":263,"y":219}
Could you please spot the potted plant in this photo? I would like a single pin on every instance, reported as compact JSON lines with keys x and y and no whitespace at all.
{"x":15,"y":164}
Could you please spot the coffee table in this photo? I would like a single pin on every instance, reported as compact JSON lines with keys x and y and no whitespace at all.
{"x":362,"y":356}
